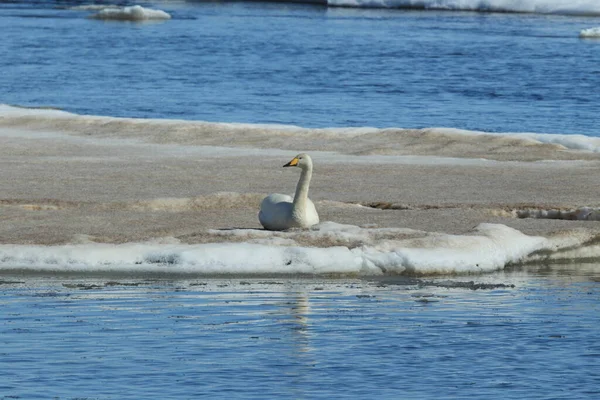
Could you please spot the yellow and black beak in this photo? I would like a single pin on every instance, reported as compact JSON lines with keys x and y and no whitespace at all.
{"x":292,"y":163}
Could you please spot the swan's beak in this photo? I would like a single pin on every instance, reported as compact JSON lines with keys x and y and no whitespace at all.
{"x":292,"y":163}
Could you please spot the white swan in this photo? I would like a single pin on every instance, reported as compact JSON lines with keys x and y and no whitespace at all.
{"x":279,"y":211}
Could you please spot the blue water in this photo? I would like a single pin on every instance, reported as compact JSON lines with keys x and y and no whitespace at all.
{"x":306,"y":65}
{"x":528,"y":335}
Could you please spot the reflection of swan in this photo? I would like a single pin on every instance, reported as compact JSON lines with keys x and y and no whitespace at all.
{"x":279,"y":211}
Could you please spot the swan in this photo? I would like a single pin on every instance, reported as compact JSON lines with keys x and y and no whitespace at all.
{"x":279,"y":211}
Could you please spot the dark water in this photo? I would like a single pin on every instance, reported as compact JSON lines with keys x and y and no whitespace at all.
{"x":510,"y":335}
{"x":306,"y":65}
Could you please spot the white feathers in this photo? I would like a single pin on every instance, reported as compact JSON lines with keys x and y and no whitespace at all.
{"x":279,"y":212}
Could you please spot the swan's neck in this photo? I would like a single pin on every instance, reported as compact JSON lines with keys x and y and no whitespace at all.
{"x":301,"y":196}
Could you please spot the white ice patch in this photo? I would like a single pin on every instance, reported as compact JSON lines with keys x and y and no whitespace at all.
{"x":8,"y":111}
{"x":591,"y":33}
{"x":571,"y":142}
{"x":578,"y":214}
{"x":132,"y":13}
{"x":353,"y":251}
{"x":567,"y":7}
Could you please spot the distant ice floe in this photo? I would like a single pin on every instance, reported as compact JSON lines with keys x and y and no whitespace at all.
{"x":591,"y":33}
{"x":328,"y":249}
{"x":565,"y":7}
{"x":131,"y":13}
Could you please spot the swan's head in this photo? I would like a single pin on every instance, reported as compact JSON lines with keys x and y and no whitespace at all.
{"x":302,"y":160}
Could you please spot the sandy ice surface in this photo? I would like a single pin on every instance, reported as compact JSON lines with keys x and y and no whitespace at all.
{"x":110,"y":180}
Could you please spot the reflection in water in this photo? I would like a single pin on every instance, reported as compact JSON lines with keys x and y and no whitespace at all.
{"x":301,"y":313}
{"x":274,"y":339}
{"x":301,"y":357}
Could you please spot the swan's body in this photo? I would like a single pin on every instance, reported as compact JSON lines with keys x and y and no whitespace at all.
{"x":279,"y":211}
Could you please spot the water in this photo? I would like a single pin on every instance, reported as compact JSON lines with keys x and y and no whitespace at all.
{"x":510,"y":335}
{"x":307,"y":65}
